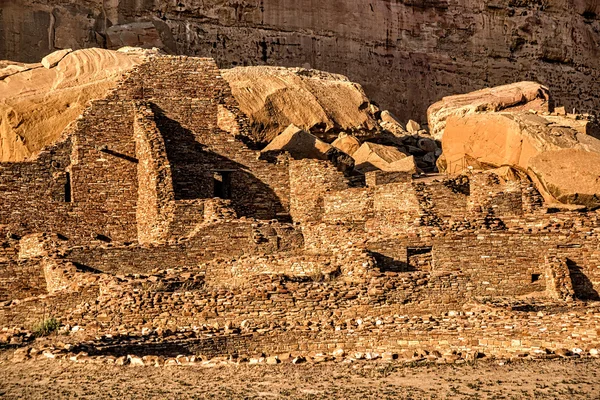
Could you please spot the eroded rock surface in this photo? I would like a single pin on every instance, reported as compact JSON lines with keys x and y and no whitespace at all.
{"x":37,"y":103}
{"x":571,"y":176}
{"x":407,"y":55}
{"x":319,"y":102}
{"x":514,"y":97}
{"x":554,"y":150}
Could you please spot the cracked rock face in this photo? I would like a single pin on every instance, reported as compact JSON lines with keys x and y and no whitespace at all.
{"x":559,"y":153}
{"x":406,"y":55}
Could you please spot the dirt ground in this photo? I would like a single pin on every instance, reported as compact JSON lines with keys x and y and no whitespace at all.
{"x":51,"y":379}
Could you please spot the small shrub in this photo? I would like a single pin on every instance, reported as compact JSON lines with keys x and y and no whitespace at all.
{"x":46,"y":327}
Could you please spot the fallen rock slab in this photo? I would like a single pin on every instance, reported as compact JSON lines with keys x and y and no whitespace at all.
{"x":372,"y":156}
{"x":515,"y":97}
{"x":571,"y":176}
{"x":346,"y":143}
{"x":299,"y":144}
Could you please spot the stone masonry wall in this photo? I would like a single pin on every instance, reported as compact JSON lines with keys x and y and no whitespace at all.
{"x":104,"y":170}
{"x":218,"y":240}
{"x":87,"y":186}
{"x":156,"y":198}
{"x":310,"y":181}
{"x":186,"y":94}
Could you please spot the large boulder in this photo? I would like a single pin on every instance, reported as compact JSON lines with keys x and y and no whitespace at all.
{"x":37,"y":103}
{"x":372,"y":156}
{"x":570,"y":176}
{"x":299,"y":144}
{"x":515,"y":97}
{"x":346,"y":143}
{"x":530,"y":143}
{"x":318,"y":102}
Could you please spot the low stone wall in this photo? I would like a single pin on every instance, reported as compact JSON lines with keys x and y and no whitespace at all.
{"x":351,"y":264}
{"x":223,"y":239}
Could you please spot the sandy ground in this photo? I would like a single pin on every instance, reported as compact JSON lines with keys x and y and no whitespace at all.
{"x":51,"y":379}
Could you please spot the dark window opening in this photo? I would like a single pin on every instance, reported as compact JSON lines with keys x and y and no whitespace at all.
{"x":68,"y":198}
{"x":103,"y":238}
{"x":535,"y":277}
{"x":222,"y":184}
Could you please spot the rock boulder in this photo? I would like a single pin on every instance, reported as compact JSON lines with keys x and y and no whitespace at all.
{"x":318,"y":102}
{"x":372,"y":156}
{"x":571,"y":176}
{"x":515,"y":97}
{"x":299,"y":144}
{"x":346,"y":143}
{"x":555,"y":151}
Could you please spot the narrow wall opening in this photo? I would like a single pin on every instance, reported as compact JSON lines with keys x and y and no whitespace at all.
{"x":222,"y":184}
{"x":68,"y":196}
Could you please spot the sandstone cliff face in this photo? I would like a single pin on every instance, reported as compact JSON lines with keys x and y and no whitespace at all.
{"x":406,"y":54}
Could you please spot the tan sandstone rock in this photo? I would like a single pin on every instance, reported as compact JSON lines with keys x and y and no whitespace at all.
{"x":514,"y":97}
{"x":274,"y":97}
{"x":37,"y":104}
{"x":571,"y":176}
{"x":346,"y":143}
{"x":413,"y":126}
{"x":431,"y":48}
{"x":299,"y":143}
{"x":532,"y":144}
{"x":372,"y":156}
{"x":52,"y":59}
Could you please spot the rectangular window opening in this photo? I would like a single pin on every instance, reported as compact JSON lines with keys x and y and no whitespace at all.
{"x":68,"y":198}
{"x":222,"y":184}
{"x":535,"y":277}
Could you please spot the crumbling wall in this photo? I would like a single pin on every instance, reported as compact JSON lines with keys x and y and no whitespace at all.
{"x":186,"y":96}
{"x":21,"y":279}
{"x":216,"y":240}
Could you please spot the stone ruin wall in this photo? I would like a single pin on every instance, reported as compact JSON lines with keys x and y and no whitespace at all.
{"x":393,"y":248}
{"x":104,"y":160}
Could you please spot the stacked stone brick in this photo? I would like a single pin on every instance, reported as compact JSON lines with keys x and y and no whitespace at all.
{"x":153,"y":213}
